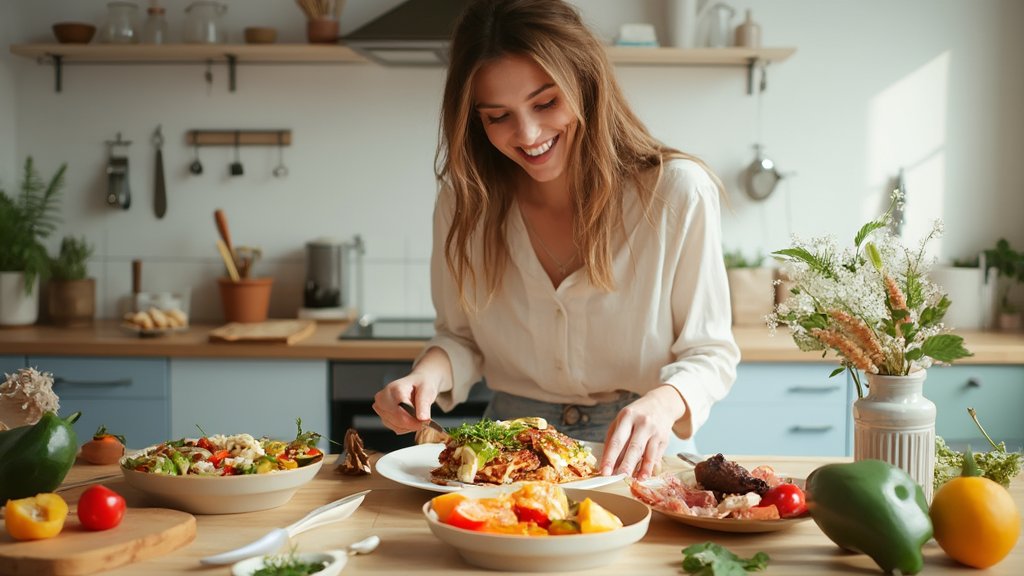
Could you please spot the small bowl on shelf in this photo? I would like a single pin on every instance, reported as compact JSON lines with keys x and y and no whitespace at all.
{"x":73,"y":32}
{"x":260,"y":35}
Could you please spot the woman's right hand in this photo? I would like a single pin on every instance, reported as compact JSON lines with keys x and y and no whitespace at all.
{"x":417,"y":389}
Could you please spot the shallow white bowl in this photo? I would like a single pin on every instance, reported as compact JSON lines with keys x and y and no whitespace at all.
{"x":547,"y":553}
{"x":222,"y":494}
{"x":335,"y":560}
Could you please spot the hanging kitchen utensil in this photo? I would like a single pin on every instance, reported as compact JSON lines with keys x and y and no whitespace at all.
{"x":118,"y":190}
{"x":159,"y":185}
{"x":196,"y":167}
{"x":281,"y":170}
{"x":236,"y":166}
{"x":760,"y":177}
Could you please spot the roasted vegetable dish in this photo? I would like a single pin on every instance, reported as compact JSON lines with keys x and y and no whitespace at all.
{"x":503,"y":452}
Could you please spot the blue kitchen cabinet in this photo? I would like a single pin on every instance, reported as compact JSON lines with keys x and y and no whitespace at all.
{"x":252,"y":396}
{"x":11,"y":364}
{"x":788,"y":409}
{"x":996,"y":392}
{"x":127,"y":395}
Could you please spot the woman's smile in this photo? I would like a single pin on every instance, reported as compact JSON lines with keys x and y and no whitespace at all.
{"x":540,"y":153}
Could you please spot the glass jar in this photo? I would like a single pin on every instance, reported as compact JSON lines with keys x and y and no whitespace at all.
{"x":154,"y":29}
{"x":121,"y":25}
{"x":203,"y":24}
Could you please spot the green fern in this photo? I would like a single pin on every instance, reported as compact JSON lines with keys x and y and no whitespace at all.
{"x":26,"y":219}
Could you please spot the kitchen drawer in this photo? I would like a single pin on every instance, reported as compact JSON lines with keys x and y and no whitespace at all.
{"x":76,"y":377}
{"x":143,"y":422}
{"x":996,"y":392}
{"x":11,"y":364}
{"x":786,"y":429}
{"x":765,"y":382}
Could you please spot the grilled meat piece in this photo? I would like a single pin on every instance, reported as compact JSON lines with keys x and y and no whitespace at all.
{"x":720,"y":475}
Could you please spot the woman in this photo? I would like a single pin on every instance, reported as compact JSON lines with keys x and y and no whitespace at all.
{"x":577,"y":262}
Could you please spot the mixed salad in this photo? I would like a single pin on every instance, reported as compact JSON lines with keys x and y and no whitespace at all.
{"x":221,"y":455}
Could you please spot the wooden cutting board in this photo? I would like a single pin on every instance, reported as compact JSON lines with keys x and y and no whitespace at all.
{"x":144,"y":533}
{"x":270,"y":331}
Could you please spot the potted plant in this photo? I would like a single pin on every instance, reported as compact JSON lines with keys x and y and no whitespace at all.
{"x":751,"y":288}
{"x":875,"y":307}
{"x":26,"y":219}
{"x":1010,"y":266}
{"x":71,"y":296}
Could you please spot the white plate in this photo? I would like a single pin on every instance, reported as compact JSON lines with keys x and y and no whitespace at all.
{"x":746,"y":525}
{"x":411,"y":466}
{"x":551,"y":554}
{"x":335,"y":562}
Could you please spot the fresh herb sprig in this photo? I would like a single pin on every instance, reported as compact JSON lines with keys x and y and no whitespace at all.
{"x":997,"y":465}
{"x":288,"y":565}
{"x":488,"y":431}
{"x":710,"y":559}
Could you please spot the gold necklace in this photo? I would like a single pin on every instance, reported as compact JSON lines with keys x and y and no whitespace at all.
{"x":562,"y":268}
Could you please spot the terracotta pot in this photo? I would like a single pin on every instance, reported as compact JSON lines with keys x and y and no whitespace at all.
{"x":896,"y":423}
{"x":72,"y":302}
{"x":247,"y":300}
{"x":322,"y":30}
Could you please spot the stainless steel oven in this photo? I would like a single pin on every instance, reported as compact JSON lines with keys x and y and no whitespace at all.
{"x":354,"y":383}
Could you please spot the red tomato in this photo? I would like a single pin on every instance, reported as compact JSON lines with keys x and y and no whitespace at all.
{"x":788,"y":499}
{"x":217,"y":457}
{"x":527,"y":514}
{"x":469,"y":514}
{"x":204,"y":443}
{"x":100,"y":508}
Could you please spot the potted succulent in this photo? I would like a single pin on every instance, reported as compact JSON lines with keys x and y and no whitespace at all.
{"x":1010,"y":265}
{"x":71,"y":296}
{"x":27,"y":218}
{"x":751,"y":288}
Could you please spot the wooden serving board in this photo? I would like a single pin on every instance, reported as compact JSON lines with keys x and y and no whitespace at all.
{"x":143,"y":533}
{"x":270,"y":331}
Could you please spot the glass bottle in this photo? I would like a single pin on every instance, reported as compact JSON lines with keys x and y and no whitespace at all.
{"x":121,"y":25}
{"x":154,"y":29}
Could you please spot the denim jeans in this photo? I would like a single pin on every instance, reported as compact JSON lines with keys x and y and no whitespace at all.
{"x":580,"y":422}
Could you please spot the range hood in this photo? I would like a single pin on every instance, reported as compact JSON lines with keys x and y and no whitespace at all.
{"x":414,"y":33}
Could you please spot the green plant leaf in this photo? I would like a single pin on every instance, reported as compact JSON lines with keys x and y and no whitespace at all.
{"x":819,"y":264}
{"x":837,"y":372}
{"x":866,"y":230}
{"x":945,"y":347}
{"x":932,"y":315}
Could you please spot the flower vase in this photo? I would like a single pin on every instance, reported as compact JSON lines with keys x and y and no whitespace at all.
{"x":896,"y":423}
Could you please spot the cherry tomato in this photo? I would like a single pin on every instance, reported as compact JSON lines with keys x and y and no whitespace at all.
{"x":528,"y":514}
{"x":217,"y":457}
{"x":205,"y":444}
{"x":469,"y":514}
{"x":788,"y":500}
{"x":100,"y":508}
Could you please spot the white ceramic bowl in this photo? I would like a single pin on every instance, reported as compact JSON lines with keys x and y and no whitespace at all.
{"x":547,"y":553}
{"x":222,"y":494}
{"x":335,"y":560}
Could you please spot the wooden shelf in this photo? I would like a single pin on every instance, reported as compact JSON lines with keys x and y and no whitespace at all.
{"x":233,"y":54}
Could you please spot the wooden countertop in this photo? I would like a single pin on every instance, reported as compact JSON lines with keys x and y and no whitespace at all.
{"x":392,"y":511}
{"x":107,"y":338}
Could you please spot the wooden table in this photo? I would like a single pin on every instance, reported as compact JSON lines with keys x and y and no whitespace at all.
{"x":392,"y":511}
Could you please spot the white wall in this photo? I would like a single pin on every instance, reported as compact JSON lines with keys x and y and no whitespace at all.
{"x":933,"y":86}
{"x":8,"y":135}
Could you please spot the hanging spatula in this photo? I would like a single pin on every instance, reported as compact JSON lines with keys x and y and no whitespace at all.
{"x":159,"y":186}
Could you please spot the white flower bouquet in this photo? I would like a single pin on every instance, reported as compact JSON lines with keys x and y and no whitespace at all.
{"x":872,"y":304}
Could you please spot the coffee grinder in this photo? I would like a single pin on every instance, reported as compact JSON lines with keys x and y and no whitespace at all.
{"x":330,"y":286}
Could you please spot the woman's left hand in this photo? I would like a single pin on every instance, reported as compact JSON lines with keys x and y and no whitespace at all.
{"x":637,"y":438}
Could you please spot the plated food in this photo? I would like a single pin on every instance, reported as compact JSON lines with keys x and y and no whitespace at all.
{"x":572,"y":552}
{"x":719,"y":494}
{"x":503,"y":452}
{"x":224,"y":474}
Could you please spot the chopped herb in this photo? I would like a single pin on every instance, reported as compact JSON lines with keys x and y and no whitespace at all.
{"x":997,"y":465}
{"x":710,"y":559}
{"x":288,"y":565}
{"x":489,"y":431}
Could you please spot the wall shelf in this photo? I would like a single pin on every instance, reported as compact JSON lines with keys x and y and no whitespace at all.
{"x":232,"y":55}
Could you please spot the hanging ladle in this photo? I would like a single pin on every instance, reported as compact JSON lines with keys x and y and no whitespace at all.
{"x":281,"y":170}
{"x":196,"y":167}
{"x":236,"y":166}
{"x":760,"y":177}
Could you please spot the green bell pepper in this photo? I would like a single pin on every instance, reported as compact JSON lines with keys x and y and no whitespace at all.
{"x":874,"y":508}
{"x":35,"y":458}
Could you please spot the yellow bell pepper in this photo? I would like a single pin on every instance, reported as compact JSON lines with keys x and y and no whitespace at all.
{"x":36,"y":517}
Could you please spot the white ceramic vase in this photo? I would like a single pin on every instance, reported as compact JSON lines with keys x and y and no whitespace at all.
{"x":896,"y":423}
{"x":16,"y":307}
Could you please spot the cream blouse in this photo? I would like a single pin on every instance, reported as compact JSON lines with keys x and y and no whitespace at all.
{"x":667,"y":322}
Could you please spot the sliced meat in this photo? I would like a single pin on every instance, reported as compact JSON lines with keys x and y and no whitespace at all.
{"x":720,"y":475}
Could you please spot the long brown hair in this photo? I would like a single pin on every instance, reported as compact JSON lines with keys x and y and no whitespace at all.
{"x":619,"y":150}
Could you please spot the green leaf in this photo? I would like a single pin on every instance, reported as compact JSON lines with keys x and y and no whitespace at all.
{"x":837,"y":372}
{"x":915,"y":354}
{"x":815,"y":321}
{"x":874,"y":256}
{"x":710,"y":559}
{"x":945,"y":347}
{"x":819,"y":264}
{"x":865,"y":230}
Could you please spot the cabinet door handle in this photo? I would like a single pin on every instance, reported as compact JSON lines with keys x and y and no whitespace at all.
{"x":800,"y":429}
{"x":58,"y":381}
{"x":813,"y":389}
